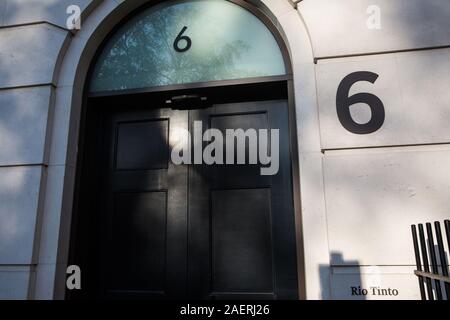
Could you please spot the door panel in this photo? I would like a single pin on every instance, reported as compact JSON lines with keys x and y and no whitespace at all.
{"x":139,"y":241}
{"x":133,"y":150}
{"x":241,"y":241}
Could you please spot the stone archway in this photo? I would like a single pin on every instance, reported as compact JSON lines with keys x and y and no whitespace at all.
{"x":71,"y":76}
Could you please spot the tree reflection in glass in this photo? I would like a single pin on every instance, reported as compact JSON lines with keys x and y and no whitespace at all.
{"x":228,"y":42}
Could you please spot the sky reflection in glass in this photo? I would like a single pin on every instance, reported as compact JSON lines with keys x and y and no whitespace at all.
{"x":228,"y":42}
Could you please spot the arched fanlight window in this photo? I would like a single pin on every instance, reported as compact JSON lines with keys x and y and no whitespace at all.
{"x":181,"y":42}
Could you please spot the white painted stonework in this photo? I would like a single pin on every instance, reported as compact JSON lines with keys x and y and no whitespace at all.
{"x":339,"y":28}
{"x":413,"y":87}
{"x":369,"y":194}
{"x":359,"y":193}
{"x":17,"y":12}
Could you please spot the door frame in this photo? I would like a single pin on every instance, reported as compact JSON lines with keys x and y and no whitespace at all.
{"x":162,"y":91}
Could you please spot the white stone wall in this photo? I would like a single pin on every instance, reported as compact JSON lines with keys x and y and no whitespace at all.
{"x":32,"y":41}
{"x":357,"y":203}
{"x":377,"y":184}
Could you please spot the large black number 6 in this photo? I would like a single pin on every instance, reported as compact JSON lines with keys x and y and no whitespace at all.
{"x":176,"y":44}
{"x":343,"y":103}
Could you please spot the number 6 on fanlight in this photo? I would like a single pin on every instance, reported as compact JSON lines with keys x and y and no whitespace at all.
{"x":343,"y":103}
{"x":176,"y":44}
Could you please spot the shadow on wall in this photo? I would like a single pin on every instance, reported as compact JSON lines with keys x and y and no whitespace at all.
{"x":343,"y":277}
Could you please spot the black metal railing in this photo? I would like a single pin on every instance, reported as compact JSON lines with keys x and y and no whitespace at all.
{"x":432,"y":275}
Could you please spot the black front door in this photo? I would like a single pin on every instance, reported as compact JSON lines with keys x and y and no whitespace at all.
{"x":160,"y":230}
